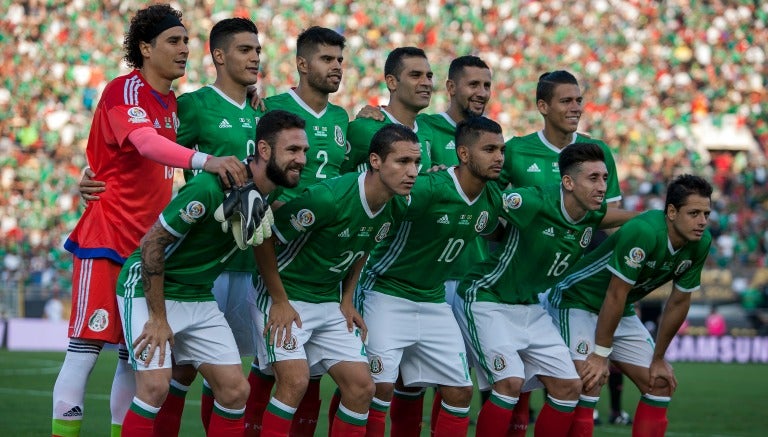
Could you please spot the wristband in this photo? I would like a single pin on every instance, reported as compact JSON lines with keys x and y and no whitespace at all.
{"x":602,"y":351}
{"x":199,"y":159}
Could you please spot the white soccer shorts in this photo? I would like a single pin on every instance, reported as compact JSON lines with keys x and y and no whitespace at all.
{"x":231,"y":291}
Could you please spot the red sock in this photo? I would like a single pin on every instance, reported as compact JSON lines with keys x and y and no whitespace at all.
{"x":261,"y":391}
{"x":377,"y":418}
{"x":273,"y":425}
{"x":226,"y":422}
{"x":305,"y":419}
{"x":452,"y":424}
{"x":348,"y":423}
{"x":518,"y":426}
{"x":206,"y":405}
{"x":436,"y":401}
{"x":650,"y":418}
{"x":168,"y":420}
{"x":494,"y":417}
{"x":405,"y":414}
{"x":335,"y":400}
{"x":553,"y":421}
{"x":583,"y":424}
{"x":139,"y":420}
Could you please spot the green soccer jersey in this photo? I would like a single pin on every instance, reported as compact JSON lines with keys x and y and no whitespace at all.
{"x":640,"y":254}
{"x":533,"y":161}
{"x":326,"y":133}
{"x":540,"y":243}
{"x":213,"y":123}
{"x":202,"y":251}
{"x":438,"y":224}
{"x":443,"y":151}
{"x":325,"y":231}
{"x":360,"y":133}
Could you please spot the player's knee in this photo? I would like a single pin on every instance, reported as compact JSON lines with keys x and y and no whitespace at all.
{"x":361,"y":391}
{"x":508,"y":387}
{"x":296,"y":385}
{"x":184,"y":374}
{"x":153,"y":392}
{"x":457,"y":396}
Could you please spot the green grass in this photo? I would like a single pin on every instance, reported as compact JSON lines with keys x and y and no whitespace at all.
{"x":713,"y":400}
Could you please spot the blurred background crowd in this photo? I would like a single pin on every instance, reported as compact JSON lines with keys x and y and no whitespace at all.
{"x":672,"y":86}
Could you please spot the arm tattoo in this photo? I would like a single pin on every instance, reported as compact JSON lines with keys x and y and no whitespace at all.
{"x":153,"y":247}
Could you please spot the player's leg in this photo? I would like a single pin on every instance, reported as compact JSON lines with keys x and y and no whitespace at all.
{"x":261,"y":383}
{"x":357,"y":389}
{"x":615,"y":389}
{"x":305,"y":418}
{"x":405,"y":410}
{"x":230,"y":391}
{"x":292,"y":378}
{"x":168,"y":420}
{"x":69,"y":389}
{"x":123,"y":389}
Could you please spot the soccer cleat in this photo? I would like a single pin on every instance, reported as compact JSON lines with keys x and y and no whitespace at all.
{"x":596,"y":418}
{"x":620,"y":419}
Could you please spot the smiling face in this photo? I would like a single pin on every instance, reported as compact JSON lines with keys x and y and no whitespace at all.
{"x":323,"y":68}
{"x":239,"y":59}
{"x":688,"y":222}
{"x":563,"y":112}
{"x":587,"y":185}
{"x":288,"y":157}
{"x":166,"y":57}
{"x":471,"y":91}
{"x":413,"y":87}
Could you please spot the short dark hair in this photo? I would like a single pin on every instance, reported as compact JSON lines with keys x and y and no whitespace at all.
{"x":684,"y":186}
{"x":459,"y":64}
{"x":223,"y":31}
{"x":470,"y":129}
{"x":307,"y":43}
{"x":142,"y":29}
{"x":545,"y":89}
{"x":381,"y":143}
{"x":274,"y":122}
{"x":394,"y":63}
{"x":573,"y":155}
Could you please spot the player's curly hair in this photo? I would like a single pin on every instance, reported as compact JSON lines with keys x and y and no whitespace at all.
{"x":141,"y":27}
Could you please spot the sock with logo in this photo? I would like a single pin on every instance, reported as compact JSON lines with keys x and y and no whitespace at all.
{"x":69,"y":390}
{"x":583,"y":422}
{"x":452,"y":421}
{"x":332,"y":408}
{"x":305,"y":419}
{"x":377,"y":418}
{"x":349,"y":423}
{"x":206,"y":405}
{"x":555,"y":418}
{"x":651,"y":416}
{"x":261,"y":391}
{"x":277,"y":419}
{"x":168,"y":420}
{"x":123,"y":390}
{"x":495,"y":415}
{"x":405,"y":413}
{"x":226,"y":422}
{"x":518,"y":425}
{"x":140,"y":419}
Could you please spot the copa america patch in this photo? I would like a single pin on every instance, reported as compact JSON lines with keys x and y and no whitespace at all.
{"x":338,"y":135}
{"x":383,"y":231}
{"x":137,"y":114}
{"x":683,"y":266}
{"x":305,"y":217}
{"x":512,"y":201}
{"x":375,"y":364}
{"x":586,"y":237}
{"x":482,"y":221}
{"x":99,"y":320}
{"x":635,"y":257}
{"x":193,"y":211}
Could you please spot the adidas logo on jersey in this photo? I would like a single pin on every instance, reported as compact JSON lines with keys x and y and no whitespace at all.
{"x":224,"y":124}
{"x":534,"y":168}
{"x":344,"y":233}
{"x":550,"y":231}
{"x":450,"y":146}
{"x":444,"y":220}
{"x":74,"y":412}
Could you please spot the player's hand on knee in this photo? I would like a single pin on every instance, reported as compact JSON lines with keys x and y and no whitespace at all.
{"x":155,"y":335}
{"x":661,"y":378}
{"x":281,"y":317}
{"x":595,"y":372}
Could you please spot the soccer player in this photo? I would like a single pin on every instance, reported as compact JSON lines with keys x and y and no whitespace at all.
{"x":319,"y":63}
{"x":327,"y":234}
{"x":512,"y":336}
{"x":593,"y":305}
{"x":412,"y":330}
{"x":166,"y":284}
{"x":532,"y":160}
{"x":130,"y":149}
{"x":409,"y":80}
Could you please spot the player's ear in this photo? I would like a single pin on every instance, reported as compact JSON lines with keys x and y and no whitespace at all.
{"x":462,"y":151}
{"x":145,"y":48}
{"x":567,"y":181}
{"x":264,"y":150}
{"x":375,"y":161}
{"x":391,"y":82}
{"x":671,"y":211}
{"x":542,"y":106}
{"x":302,"y":65}
{"x":450,"y":86}
{"x":218,"y":56}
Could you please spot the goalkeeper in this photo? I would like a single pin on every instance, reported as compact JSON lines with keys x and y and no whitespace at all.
{"x":164,"y":288}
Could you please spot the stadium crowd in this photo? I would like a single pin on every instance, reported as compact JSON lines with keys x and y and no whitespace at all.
{"x":649,"y":71}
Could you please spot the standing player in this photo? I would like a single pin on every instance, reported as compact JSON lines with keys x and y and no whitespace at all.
{"x":594,"y":304}
{"x":412,"y":330}
{"x":532,"y":160}
{"x":318,"y":61}
{"x":131,"y":149}
{"x":512,"y":336}
{"x":328,"y":232}
{"x":409,"y":81}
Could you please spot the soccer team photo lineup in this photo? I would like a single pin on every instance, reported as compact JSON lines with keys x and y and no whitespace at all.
{"x":469,"y":218}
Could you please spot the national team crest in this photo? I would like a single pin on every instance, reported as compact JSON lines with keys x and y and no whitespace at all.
{"x":635,"y":257}
{"x":512,"y":201}
{"x":144,"y":354}
{"x":376,"y":365}
{"x":482,"y":221}
{"x":99,"y":320}
{"x":338,"y":135}
{"x":137,"y":114}
{"x":682,"y":267}
{"x":193,"y":211}
{"x":291,"y":345}
{"x":383,"y":231}
{"x":499,"y":363}
{"x":586,"y":237}
{"x":583,"y":347}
